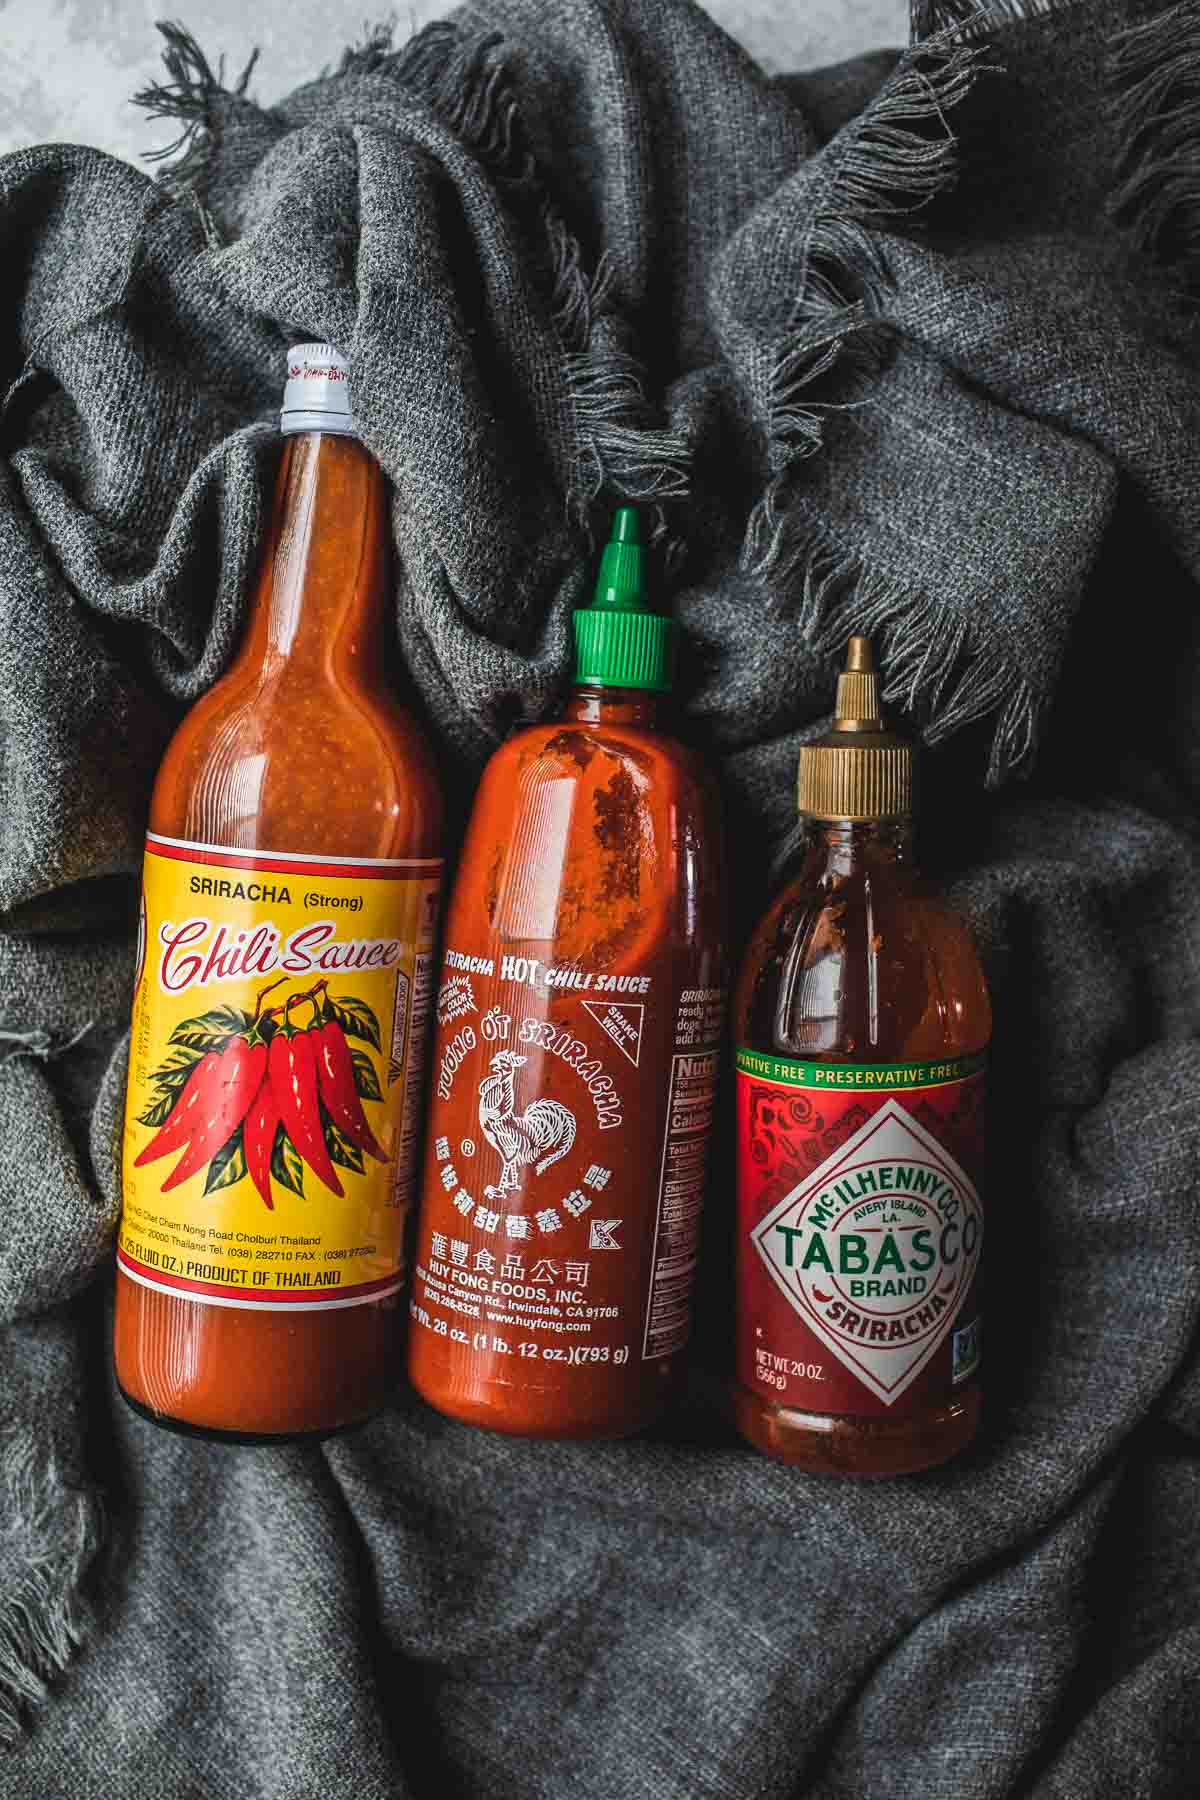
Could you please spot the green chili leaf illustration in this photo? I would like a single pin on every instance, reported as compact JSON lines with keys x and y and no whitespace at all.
{"x":287,"y":1165}
{"x":159,"y":1113}
{"x":227,"y":1166}
{"x":340,"y":1149}
{"x":172,"y":1080}
{"x":355,"y":1017}
{"x":365,"y":1078}
{"x":178,"y":1066}
{"x":211,"y":1030}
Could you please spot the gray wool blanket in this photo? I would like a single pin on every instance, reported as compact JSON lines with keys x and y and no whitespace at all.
{"x":907,"y":346}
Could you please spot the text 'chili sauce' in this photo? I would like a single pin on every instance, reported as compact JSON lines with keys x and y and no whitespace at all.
{"x":579,"y":1017}
{"x":284,"y":978}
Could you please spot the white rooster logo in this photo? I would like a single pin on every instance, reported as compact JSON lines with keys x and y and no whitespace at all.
{"x":538,"y":1136}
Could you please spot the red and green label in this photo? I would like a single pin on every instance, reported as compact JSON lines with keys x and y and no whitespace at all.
{"x":860,"y":1227}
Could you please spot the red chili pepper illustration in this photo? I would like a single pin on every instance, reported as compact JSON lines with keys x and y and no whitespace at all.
{"x":258,"y":1139}
{"x":293,"y":1070}
{"x":185,"y":1114}
{"x":335,"y":1072}
{"x":229,"y":1090}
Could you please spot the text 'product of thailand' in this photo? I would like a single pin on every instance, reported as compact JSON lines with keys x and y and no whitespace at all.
{"x":284,"y":979}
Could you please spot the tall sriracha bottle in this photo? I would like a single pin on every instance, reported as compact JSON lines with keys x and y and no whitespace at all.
{"x":285,"y":966}
{"x":862,"y":1021}
{"x":578,"y":1028}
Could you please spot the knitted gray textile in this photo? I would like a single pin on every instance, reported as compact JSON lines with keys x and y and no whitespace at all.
{"x":908,"y":346}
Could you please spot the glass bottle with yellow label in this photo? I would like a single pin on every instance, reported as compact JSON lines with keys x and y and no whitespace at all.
{"x":862,"y":1020}
{"x":289,"y":908}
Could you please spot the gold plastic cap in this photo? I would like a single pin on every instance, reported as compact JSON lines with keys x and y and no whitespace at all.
{"x":858,"y":770}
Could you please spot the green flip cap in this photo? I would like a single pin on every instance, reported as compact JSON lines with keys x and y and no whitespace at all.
{"x":619,"y":642}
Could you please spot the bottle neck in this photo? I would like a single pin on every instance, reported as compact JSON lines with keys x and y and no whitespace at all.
{"x":842,"y":846}
{"x":591,"y":703}
{"x":321,"y":600}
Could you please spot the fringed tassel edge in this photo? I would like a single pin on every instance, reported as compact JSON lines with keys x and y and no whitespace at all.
{"x":619,"y":447}
{"x":189,"y":100}
{"x":884,"y":166}
{"x":936,"y":666}
{"x":466,"y":83}
{"x":1154,"y":109}
{"x":975,"y":19}
{"x":41,"y":1045}
{"x":43,"y":1618}
{"x":888,"y":166}
{"x":617,"y":444}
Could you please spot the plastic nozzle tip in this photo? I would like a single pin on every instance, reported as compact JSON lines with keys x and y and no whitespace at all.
{"x":857,"y":706}
{"x":626,"y":526}
{"x":859,"y":769}
{"x":621,"y":577}
{"x":620,"y":641}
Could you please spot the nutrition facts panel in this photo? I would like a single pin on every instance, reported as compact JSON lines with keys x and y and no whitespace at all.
{"x":680,"y":1202}
{"x":414,"y":1075}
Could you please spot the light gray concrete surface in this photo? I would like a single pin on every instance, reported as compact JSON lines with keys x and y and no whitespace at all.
{"x":68,"y":67}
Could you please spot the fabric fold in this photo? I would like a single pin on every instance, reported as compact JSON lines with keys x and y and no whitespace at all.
{"x":904,"y":347}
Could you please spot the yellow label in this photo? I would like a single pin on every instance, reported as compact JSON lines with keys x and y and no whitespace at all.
{"x":275,"y":1073}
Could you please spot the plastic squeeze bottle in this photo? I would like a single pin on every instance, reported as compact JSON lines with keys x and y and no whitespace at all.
{"x":579,"y":1020}
{"x":861,"y":1021}
{"x":284,"y":975}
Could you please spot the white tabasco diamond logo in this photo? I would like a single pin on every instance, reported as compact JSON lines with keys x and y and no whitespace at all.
{"x":876,"y":1249}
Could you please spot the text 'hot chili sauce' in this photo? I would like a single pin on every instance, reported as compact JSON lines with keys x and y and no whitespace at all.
{"x":579,"y":1019}
{"x":284,"y":977}
{"x":861,"y":1020}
